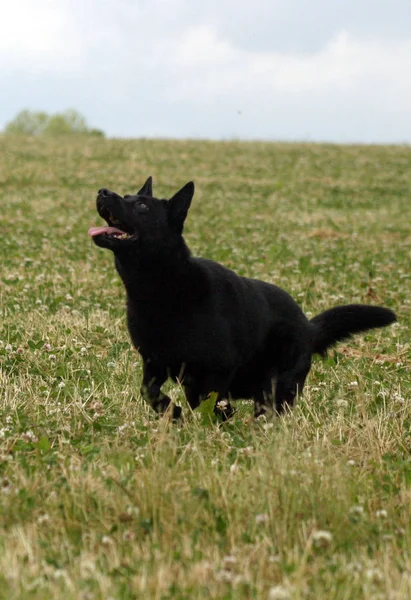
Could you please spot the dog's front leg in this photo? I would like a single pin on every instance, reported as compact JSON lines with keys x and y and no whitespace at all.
{"x":153,"y":378}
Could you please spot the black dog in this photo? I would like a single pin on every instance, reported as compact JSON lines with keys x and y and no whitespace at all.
{"x":193,"y":320}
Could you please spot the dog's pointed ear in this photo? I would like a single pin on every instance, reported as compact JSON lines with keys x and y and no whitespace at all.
{"x":179,"y":204}
{"x":147,"y":189}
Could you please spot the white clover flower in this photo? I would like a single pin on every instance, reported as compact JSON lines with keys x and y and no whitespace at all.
{"x":97,"y":406}
{"x":59,"y":574}
{"x":133,"y":510}
{"x":61,"y":385}
{"x":229,"y":561}
{"x":225,"y":576}
{"x":381,"y":514}
{"x":355,"y":567}
{"x":248,"y":451}
{"x":374,"y":575}
{"x":351,"y":462}
{"x":106,"y":540}
{"x":322,"y":538}
{"x":342,"y":403}
{"x":222,"y":404}
{"x":274,"y":558}
{"x":29,"y":436}
{"x":262,"y":518}
{"x":357,"y":510}
{"x":278,"y":592}
{"x":398,"y":398}
{"x":43,"y":519}
{"x":52,"y":357}
{"x":234,"y":468}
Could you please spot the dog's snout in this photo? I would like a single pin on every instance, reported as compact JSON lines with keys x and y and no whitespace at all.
{"x":104,"y":192}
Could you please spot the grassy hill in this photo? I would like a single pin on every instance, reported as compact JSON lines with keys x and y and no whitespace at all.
{"x":101,"y":499}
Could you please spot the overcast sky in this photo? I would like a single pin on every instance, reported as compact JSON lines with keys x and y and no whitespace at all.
{"x":332,"y":70}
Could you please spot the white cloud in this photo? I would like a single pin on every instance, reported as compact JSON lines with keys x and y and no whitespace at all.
{"x":182,"y":67}
{"x":210,"y":66}
{"x":33,"y":35}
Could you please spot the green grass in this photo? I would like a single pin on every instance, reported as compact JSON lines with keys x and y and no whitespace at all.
{"x":101,"y":499}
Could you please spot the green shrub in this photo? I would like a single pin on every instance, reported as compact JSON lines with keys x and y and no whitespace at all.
{"x":70,"y":122}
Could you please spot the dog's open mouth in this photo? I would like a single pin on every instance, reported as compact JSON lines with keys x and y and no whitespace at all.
{"x":110,"y":231}
{"x":114,"y":229}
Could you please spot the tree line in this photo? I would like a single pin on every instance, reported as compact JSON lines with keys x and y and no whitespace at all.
{"x":36,"y":123}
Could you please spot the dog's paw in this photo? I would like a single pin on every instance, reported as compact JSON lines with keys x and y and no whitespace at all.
{"x":176,"y":412}
{"x":263,"y":410}
{"x":160,"y":405}
{"x":164,"y":405}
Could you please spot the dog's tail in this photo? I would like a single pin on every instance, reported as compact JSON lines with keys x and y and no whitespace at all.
{"x":341,"y":322}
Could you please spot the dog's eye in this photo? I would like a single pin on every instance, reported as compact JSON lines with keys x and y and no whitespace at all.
{"x":142,"y":207}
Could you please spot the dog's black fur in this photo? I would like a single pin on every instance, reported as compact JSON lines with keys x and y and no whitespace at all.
{"x":194,"y":320}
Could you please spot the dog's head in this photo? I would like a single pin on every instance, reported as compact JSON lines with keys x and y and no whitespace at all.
{"x":141,"y":221}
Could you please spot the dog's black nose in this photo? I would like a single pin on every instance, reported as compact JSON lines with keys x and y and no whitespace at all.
{"x":104,"y":192}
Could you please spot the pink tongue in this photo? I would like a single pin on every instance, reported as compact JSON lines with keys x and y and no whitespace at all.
{"x":93,"y":231}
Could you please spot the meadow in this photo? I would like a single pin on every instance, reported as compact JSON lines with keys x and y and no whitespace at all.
{"x":100,"y":498}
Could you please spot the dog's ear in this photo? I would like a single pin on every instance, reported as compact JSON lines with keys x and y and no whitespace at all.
{"x":179,"y":204}
{"x":147,"y":189}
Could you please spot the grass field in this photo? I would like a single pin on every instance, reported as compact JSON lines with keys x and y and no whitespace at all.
{"x":101,"y":499}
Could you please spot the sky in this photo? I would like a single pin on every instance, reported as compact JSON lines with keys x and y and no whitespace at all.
{"x":290,"y":70}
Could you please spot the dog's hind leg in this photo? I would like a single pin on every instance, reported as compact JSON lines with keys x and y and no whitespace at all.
{"x":290,"y":381}
{"x":193,"y":395}
{"x":264,"y":397}
{"x":280,"y":390}
{"x":288,"y":387}
{"x":153,"y":378}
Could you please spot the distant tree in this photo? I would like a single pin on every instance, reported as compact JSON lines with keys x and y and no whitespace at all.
{"x":28,"y":122}
{"x":40,"y":123}
{"x":97,"y":132}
